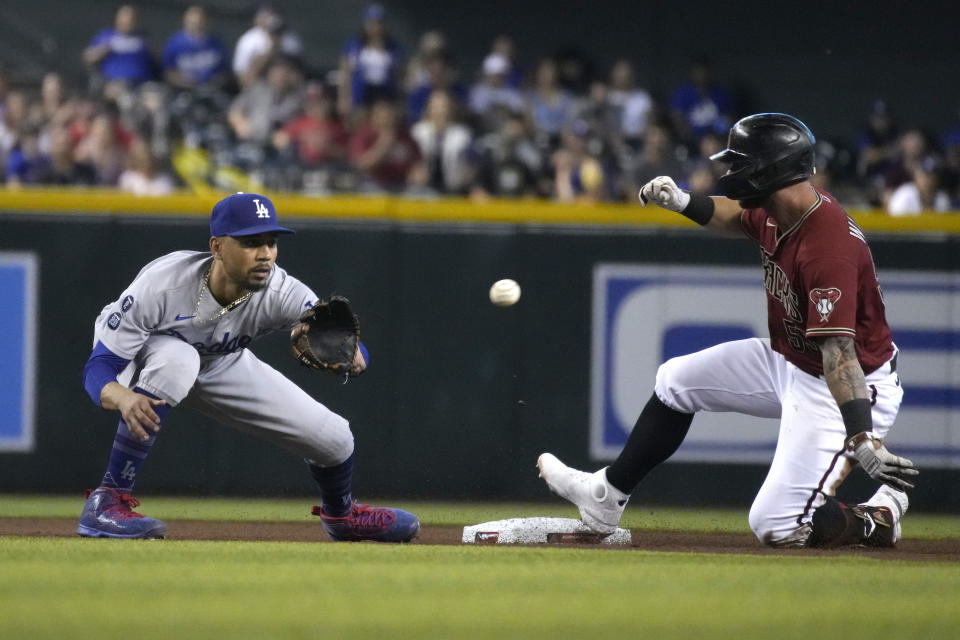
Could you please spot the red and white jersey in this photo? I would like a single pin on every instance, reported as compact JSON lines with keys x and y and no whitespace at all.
{"x":820,"y":281}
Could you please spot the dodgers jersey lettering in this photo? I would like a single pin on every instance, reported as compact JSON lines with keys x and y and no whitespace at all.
{"x":820,"y":281}
{"x":162,"y":299}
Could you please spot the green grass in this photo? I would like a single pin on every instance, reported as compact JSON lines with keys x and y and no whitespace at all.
{"x":79,"y":588}
{"x":916,"y":525}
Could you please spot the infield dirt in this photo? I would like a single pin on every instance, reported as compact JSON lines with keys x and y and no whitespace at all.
{"x":945,"y":550}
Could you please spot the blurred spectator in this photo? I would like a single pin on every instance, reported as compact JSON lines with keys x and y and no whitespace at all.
{"x":103,"y":149}
{"x":912,"y":148}
{"x":575,"y":70}
{"x":951,"y":155}
{"x":3,"y":88}
{"x":150,"y":117}
{"x":877,"y":146}
{"x":445,"y":145}
{"x":267,"y":104}
{"x":920,"y":194}
{"x":505,"y":47}
{"x":193,"y":56}
{"x":370,"y":64}
{"x":141,"y":177}
{"x":441,"y":76}
{"x":492,"y":99}
{"x":551,"y":107}
{"x":383,"y":150}
{"x":26,"y":163}
{"x":14,"y":119}
{"x":316,"y":137}
{"x":268,"y":38}
{"x":701,"y":106}
{"x":656,"y":159}
{"x":433,"y":44}
{"x":631,"y":104}
{"x":704,"y":171}
{"x":702,"y":180}
{"x":510,"y":164}
{"x":63,"y":169}
{"x":577,"y":175}
{"x":53,"y":99}
{"x":121,"y":53}
{"x":82,"y":113}
{"x":595,"y":109}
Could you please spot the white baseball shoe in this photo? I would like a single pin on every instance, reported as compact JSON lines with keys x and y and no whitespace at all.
{"x":600,"y":503}
{"x":895,"y":503}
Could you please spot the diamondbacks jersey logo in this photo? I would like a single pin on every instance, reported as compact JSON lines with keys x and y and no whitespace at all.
{"x":778,"y":286}
{"x":262,"y":211}
{"x":825,"y":300}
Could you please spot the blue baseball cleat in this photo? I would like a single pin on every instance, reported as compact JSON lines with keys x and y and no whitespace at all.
{"x":109,"y":513}
{"x":378,"y":524}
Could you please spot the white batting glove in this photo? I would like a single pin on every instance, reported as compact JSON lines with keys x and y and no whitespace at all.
{"x":665,"y":192}
{"x":879,"y":463}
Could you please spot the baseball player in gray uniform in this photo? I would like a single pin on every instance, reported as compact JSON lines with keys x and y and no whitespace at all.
{"x":179,"y":336}
{"x":828,"y":371}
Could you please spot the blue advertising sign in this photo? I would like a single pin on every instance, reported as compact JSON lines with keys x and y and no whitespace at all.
{"x":18,"y":290}
{"x":646,"y":314}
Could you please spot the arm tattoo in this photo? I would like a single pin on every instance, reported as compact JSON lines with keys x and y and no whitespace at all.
{"x":842,"y":370}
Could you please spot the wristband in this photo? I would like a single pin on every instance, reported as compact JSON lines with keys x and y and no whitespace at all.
{"x":699,"y":209}
{"x":856,"y":416}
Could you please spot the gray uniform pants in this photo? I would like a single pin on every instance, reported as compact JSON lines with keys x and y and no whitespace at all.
{"x":240,"y":391}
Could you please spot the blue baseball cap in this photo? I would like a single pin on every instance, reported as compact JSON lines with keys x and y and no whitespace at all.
{"x":374,"y":11}
{"x":245,"y":214}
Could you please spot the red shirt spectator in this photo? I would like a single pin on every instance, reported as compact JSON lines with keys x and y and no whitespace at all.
{"x":383,"y":149}
{"x":316,"y":135}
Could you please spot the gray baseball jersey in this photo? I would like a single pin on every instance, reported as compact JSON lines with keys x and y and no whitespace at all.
{"x":162,"y":300}
{"x":184,"y":348}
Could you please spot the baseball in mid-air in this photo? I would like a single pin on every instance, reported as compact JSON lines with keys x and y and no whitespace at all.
{"x":504,"y":293}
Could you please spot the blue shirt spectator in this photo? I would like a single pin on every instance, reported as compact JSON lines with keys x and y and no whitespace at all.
{"x":121,"y":52}
{"x":193,"y":56}
{"x":701,"y":106}
{"x":372,"y":61}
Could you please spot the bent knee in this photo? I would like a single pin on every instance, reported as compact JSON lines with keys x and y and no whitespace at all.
{"x":329,"y":442}
{"x":170,"y":373}
{"x":672,"y":387}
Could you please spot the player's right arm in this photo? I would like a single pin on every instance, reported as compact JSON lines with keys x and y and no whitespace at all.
{"x":100,"y":381}
{"x":716,"y":212}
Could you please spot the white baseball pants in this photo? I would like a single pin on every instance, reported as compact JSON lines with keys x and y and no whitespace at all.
{"x":747,"y":376}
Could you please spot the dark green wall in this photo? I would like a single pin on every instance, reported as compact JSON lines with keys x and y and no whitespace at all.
{"x":461,"y":396}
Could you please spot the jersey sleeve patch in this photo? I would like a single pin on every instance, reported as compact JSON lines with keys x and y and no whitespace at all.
{"x":825,"y":301}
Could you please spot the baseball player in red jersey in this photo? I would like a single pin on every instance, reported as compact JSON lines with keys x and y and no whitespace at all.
{"x":827,"y":372}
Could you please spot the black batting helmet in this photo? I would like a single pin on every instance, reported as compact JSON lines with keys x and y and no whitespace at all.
{"x":766,"y":152}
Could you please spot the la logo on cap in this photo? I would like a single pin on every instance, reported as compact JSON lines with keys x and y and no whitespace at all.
{"x":244,"y":214}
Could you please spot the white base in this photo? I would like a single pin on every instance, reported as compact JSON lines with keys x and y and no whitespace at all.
{"x":540,"y":531}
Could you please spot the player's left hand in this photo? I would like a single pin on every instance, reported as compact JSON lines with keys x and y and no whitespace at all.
{"x":664,"y":191}
{"x":879,"y":463}
{"x":359,"y":364}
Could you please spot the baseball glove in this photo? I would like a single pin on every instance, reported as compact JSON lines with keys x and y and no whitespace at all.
{"x":327,"y":337}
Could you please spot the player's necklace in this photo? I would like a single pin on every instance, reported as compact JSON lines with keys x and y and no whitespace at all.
{"x":206,"y":285}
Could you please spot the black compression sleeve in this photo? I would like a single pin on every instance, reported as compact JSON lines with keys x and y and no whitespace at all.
{"x":856,"y":416}
{"x":699,"y":209}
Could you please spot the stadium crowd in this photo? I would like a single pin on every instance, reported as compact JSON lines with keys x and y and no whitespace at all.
{"x":378,"y":120}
